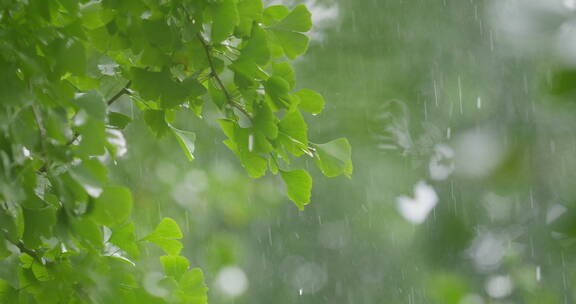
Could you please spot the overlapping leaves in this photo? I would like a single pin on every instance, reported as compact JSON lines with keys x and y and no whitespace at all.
{"x":64,"y":63}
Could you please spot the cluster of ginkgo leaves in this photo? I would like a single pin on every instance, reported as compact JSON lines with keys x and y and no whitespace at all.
{"x":65,"y":231}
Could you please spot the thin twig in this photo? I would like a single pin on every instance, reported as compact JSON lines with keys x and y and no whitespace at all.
{"x":109,"y":102}
{"x":218,"y":80}
{"x":29,"y":252}
{"x":120,"y":93}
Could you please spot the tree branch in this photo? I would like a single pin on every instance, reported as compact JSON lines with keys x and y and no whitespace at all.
{"x":218,"y":80}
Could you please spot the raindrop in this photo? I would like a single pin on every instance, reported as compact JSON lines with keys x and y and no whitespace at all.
{"x":460,"y":95}
{"x":250,"y":142}
{"x":435,"y":93}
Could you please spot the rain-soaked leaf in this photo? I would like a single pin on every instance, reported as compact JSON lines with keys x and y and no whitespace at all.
{"x":186,"y":140}
{"x":113,"y":206}
{"x":334,"y":158}
{"x":174,"y":265}
{"x":166,"y":236}
{"x":299,"y":186}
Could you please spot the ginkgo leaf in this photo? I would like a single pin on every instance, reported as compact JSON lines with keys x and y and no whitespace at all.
{"x":288,"y":31}
{"x":166,"y":236}
{"x":113,"y":206}
{"x":225,"y":18}
{"x":299,"y":20}
{"x":248,"y":12}
{"x":334,"y":158}
{"x":192,"y":289}
{"x":310,"y":101}
{"x":125,"y":238}
{"x":293,"y":43}
{"x":186,"y":140}
{"x":167,"y":229}
{"x":298,"y":185}
{"x":294,"y":133}
{"x":174,"y":265}
{"x":118,"y":120}
{"x":156,"y":121}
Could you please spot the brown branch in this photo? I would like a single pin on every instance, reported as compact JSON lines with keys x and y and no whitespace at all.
{"x":218,"y":80}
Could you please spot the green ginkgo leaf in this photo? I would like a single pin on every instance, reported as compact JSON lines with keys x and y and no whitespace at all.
{"x":298,"y":186}
{"x":225,"y":19}
{"x":125,"y":238}
{"x":310,"y":101}
{"x":166,"y":236}
{"x":288,"y":31}
{"x":192,"y":289}
{"x":113,"y":206}
{"x":334,"y":158}
{"x":186,"y":140}
{"x":299,"y":20}
{"x":174,"y":265}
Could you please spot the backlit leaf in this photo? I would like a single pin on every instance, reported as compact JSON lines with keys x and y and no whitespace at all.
{"x":334,"y":158}
{"x":174,"y":265}
{"x":298,"y":185}
{"x":192,"y":289}
{"x":310,"y":101}
{"x":186,"y":140}
{"x":166,"y":236}
{"x":299,"y":20}
{"x":125,"y":238}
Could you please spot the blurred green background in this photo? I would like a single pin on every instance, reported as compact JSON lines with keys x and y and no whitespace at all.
{"x":462,"y":120}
